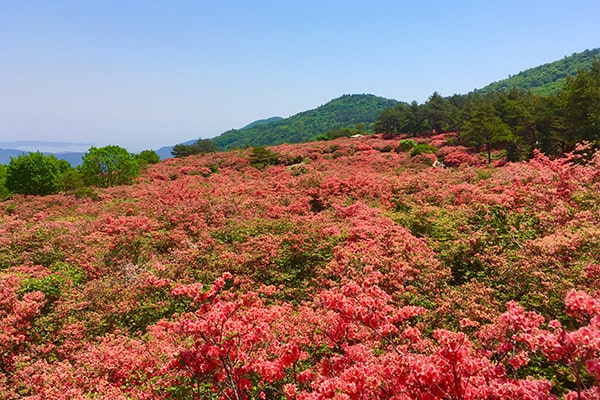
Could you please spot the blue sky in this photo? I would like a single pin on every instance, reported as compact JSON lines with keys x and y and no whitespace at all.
{"x":143,"y":74}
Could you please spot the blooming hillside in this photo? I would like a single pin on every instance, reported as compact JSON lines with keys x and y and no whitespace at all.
{"x":349,"y":270}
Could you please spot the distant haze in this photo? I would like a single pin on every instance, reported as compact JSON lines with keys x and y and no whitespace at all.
{"x":50,"y":147}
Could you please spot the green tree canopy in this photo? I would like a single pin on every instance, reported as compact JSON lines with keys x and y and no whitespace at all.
{"x":580,"y":103}
{"x":3,"y":190}
{"x":485,"y":127}
{"x":439,"y":112}
{"x":148,"y":157}
{"x":345,"y":111}
{"x":415,"y":120}
{"x":391,"y":120}
{"x":402,"y":118}
{"x":34,"y":173}
{"x":261,"y":157}
{"x":547,"y":79}
{"x":199,"y":147}
{"x":109,"y":166}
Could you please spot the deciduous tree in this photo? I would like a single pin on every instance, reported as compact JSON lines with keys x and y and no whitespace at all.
{"x":109,"y":166}
{"x":34,"y":173}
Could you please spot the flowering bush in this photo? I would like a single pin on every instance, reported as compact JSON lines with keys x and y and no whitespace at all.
{"x":346,"y":271}
{"x":460,"y":157}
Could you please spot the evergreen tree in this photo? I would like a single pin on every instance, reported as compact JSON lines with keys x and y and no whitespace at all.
{"x":580,"y":104}
{"x":391,"y":121}
{"x":439,"y":112}
{"x":199,"y":147}
{"x":486,"y":128}
{"x":415,"y":122}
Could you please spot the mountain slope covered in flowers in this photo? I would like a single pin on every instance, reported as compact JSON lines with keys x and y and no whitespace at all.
{"x":348,"y":270}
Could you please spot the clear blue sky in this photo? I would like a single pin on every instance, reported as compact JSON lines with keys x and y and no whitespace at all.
{"x":143,"y":74}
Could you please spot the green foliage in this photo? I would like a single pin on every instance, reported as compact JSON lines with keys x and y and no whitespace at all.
{"x":109,"y":166}
{"x":505,"y":227}
{"x":402,"y":118}
{"x":439,"y":113}
{"x":423,"y":148}
{"x":464,"y":263}
{"x":63,"y":277}
{"x":390,"y":121}
{"x":147,"y":157}
{"x":346,"y":111}
{"x":416,"y":121}
{"x":4,"y":193}
{"x":485,"y":127}
{"x":10,"y":209}
{"x":442,"y":229}
{"x":261,"y":158}
{"x":70,"y":181}
{"x":513,"y":120}
{"x":547,"y":79}
{"x":346,"y":131}
{"x":154,"y":305}
{"x":580,"y":103}
{"x":262,"y":122}
{"x":34,"y":173}
{"x":407,"y":144}
{"x":296,"y":263}
{"x":201,"y":146}
{"x":72,"y":273}
{"x":50,"y":285}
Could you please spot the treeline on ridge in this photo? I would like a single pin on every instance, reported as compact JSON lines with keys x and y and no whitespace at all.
{"x":517,"y":121}
{"x":356,"y":112}
{"x":546,"y":79}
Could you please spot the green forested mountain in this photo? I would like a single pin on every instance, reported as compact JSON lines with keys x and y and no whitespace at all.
{"x":520,"y":97}
{"x":345,"y":111}
{"x":516,"y":121}
{"x":548,"y":78}
{"x":262,"y":122}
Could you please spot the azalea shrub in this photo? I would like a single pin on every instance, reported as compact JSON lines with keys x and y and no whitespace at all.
{"x":348,"y":269}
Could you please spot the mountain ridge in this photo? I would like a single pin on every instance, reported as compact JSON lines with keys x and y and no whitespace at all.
{"x":344,"y":111}
{"x":73,"y":157}
{"x":262,"y":122}
{"x":548,"y":78}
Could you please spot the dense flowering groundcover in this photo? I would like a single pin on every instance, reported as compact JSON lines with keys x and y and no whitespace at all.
{"x":349,"y":271}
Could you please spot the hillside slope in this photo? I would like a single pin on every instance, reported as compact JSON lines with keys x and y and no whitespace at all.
{"x":338,"y":113}
{"x":360,"y":273}
{"x":262,"y":122}
{"x":547,"y":78}
{"x":166,"y":151}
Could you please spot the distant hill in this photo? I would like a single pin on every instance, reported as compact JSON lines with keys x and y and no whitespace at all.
{"x":71,"y":152}
{"x":344,"y":111}
{"x":45,"y":146}
{"x":6,"y":154}
{"x":547,"y":78}
{"x":165,"y":152}
{"x":74,"y":158}
{"x":262,"y":122}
